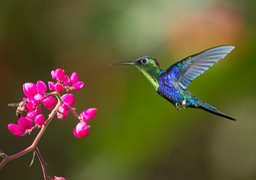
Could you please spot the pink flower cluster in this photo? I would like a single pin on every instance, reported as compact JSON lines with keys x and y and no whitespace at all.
{"x":36,"y":97}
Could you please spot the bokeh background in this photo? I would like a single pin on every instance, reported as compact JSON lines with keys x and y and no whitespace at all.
{"x":136,"y":134}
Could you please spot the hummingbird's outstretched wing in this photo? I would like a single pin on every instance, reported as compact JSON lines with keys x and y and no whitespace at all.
{"x":186,"y":70}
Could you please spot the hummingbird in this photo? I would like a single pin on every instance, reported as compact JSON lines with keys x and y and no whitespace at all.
{"x":172,"y":83}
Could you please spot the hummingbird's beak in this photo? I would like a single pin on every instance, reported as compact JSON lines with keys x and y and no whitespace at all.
{"x":123,"y":63}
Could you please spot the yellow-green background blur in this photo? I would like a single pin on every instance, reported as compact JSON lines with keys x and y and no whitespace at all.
{"x":136,"y":135}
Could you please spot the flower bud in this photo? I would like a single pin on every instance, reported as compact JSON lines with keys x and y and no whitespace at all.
{"x":31,"y":115}
{"x":59,"y":74}
{"x":51,"y":85}
{"x":62,"y":112}
{"x":39,"y":119}
{"x":38,"y":97}
{"x":74,"y":77}
{"x":58,"y":87}
{"x":49,"y":102}
{"x":24,"y":123}
{"x":15,"y":130}
{"x":53,"y":74}
{"x":66,"y":80}
{"x":81,"y":130}
{"x":29,"y":89}
{"x":88,"y":114}
{"x":68,"y":99}
{"x":79,"y":85}
{"x":41,"y":87}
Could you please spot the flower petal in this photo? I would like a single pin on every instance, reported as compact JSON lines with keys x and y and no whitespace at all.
{"x":39,"y":119}
{"x":24,"y":123}
{"x":79,"y":85}
{"x":88,"y":114}
{"x":74,"y":77}
{"x":59,"y":74}
{"x":29,"y":89}
{"x":68,"y":99}
{"x":81,"y":130}
{"x":41,"y":87}
{"x":51,"y":85}
{"x":15,"y":130}
{"x":49,"y":102}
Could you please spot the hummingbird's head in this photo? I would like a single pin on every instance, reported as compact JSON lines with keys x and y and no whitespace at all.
{"x":148,"y":66}
{"x":145,"y":63}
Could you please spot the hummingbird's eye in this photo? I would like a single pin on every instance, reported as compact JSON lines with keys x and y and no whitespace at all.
{"x":144,"y":61}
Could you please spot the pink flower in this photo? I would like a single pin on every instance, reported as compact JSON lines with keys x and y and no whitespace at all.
{"x":39,"y":119}
{"x":74,"y":77}
{"x":66,"y":80}
{"x":15,"y":130}
{"x":81,"y":130}
{"x":68,"y":99}
{"x":38,"y":97}
{"x":51,"y":85}
{"x":31,"y":115}
{"x":79,"y":85}
{"x":30,"y":106}
{"x":49,"y":102}
{"x":29,"y":89}
{"x":62,"y":112}
{"x":59,"y":74}
{"x":38,"y":110}
{"x":41,"y":87}
{"x":88,"y":114}
{"x":58,"y":87}
{"x":24,"y":123}
{"x":53,"y":74}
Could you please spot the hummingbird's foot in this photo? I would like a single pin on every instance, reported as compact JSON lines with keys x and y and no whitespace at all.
{"x":181,"y":105}
{"x":177,"y":106}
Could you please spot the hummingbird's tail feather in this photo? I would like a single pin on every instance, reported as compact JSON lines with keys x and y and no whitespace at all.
{"x":211,"y":109}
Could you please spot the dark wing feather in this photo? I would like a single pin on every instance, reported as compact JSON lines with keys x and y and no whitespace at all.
{"x":186,"y":70}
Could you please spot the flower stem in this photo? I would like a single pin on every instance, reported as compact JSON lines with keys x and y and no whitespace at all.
{"x":40,"y":158}
{"x":33,"y":146}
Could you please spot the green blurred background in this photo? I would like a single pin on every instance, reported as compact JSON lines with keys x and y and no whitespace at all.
{"x":136,"y":134}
